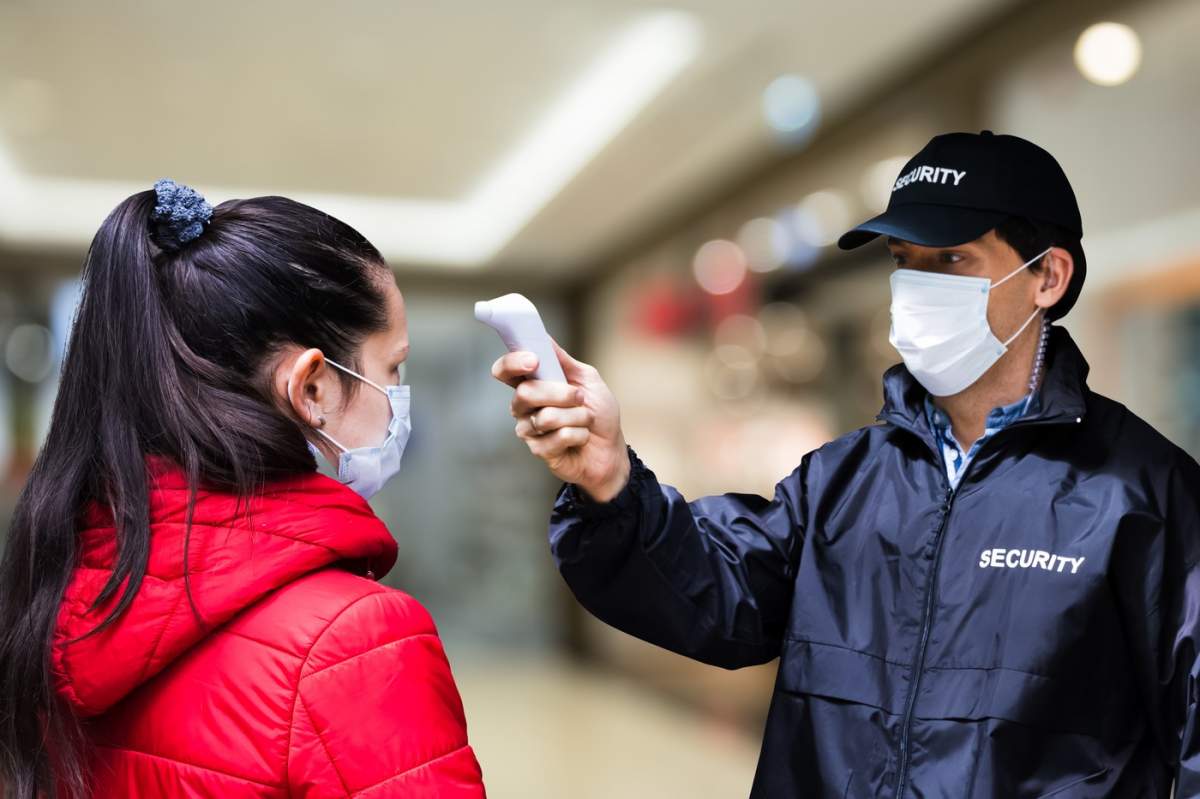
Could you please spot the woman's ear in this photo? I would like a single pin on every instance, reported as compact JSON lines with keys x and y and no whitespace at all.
{"x":298,"y":379}
{"x":1058,"y":266}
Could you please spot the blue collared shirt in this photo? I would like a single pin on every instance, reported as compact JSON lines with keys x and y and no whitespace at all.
{"x":997,"y":419}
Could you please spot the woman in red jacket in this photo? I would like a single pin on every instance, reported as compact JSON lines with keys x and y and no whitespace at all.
{"x":188,"y":608}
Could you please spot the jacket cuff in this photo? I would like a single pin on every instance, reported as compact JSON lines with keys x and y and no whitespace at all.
{"x":576,"y":501}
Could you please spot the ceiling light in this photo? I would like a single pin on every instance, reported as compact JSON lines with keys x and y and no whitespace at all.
{"x":1108,"y":53}
{"x":635,"y":67}
{"x":791,"y":106}
{"x":827,"y":214}
{"x":765,"y":242}
{"x":719,"y":266}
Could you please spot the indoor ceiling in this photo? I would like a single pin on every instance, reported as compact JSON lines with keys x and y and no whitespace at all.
{"x":526,"y":135}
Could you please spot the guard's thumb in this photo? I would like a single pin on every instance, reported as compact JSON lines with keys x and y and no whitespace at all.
{"x":571,"y":367}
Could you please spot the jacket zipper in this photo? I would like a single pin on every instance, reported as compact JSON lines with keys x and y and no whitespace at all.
{"x":926,"y":624}
{"x":930,"y":592}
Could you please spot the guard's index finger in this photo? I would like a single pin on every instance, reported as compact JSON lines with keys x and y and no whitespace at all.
{"x":511,"y":367}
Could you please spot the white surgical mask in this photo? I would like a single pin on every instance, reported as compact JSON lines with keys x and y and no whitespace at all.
{"x":366,"y":469}
{"x":940,"y":327}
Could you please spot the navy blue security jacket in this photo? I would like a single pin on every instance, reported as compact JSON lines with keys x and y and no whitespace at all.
{"x":1032,"y":633}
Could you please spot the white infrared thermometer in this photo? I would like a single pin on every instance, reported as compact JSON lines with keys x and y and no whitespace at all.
{"x":520,"y":326}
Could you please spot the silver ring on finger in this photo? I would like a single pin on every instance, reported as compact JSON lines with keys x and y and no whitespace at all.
{"x":533,"y":424}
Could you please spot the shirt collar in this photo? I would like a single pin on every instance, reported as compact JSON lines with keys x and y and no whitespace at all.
{"x":997,"y":418}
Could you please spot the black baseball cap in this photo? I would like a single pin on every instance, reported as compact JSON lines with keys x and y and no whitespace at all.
{"x":961,"y":185}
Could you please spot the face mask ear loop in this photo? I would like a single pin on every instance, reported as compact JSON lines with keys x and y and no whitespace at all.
{"x":368,"y":381}
{"x":1025,"y":265}
{"x":331,"y":439}
{"x":1014,"y":336}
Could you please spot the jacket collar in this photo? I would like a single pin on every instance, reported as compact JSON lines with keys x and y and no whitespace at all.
{"x":1062,"y":396}
{"x":237,"y":554}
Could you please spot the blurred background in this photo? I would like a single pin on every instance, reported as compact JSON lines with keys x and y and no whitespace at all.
{"x":665,"y":182}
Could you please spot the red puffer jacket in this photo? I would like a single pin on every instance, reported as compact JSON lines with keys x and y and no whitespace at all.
{"x":305,"y":678}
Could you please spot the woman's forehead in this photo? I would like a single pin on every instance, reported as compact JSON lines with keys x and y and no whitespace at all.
{"x":396,"y":335}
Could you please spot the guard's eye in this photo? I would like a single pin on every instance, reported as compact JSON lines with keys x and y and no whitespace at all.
{"x":898,"y":258}
{"x":949,"y":257}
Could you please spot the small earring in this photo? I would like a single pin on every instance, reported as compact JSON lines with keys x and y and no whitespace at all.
{"x":320,"y":421}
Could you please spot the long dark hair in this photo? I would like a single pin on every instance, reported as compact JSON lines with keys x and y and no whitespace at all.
{"x":168,"y":355}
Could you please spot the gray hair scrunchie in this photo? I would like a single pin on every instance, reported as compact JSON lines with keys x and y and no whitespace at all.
{"x":179,"y":216}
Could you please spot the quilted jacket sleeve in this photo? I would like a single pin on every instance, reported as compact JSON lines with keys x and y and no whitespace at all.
{"x":377,"y":713}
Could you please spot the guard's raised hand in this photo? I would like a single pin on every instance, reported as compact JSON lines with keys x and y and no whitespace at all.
{"x":574,"y":427}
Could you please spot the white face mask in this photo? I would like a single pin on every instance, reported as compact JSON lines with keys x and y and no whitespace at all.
{"x":366,"y":469}
{"x":940,"y":327}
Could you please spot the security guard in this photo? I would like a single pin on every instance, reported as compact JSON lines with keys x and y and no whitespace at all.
{"x":993,"y":592}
